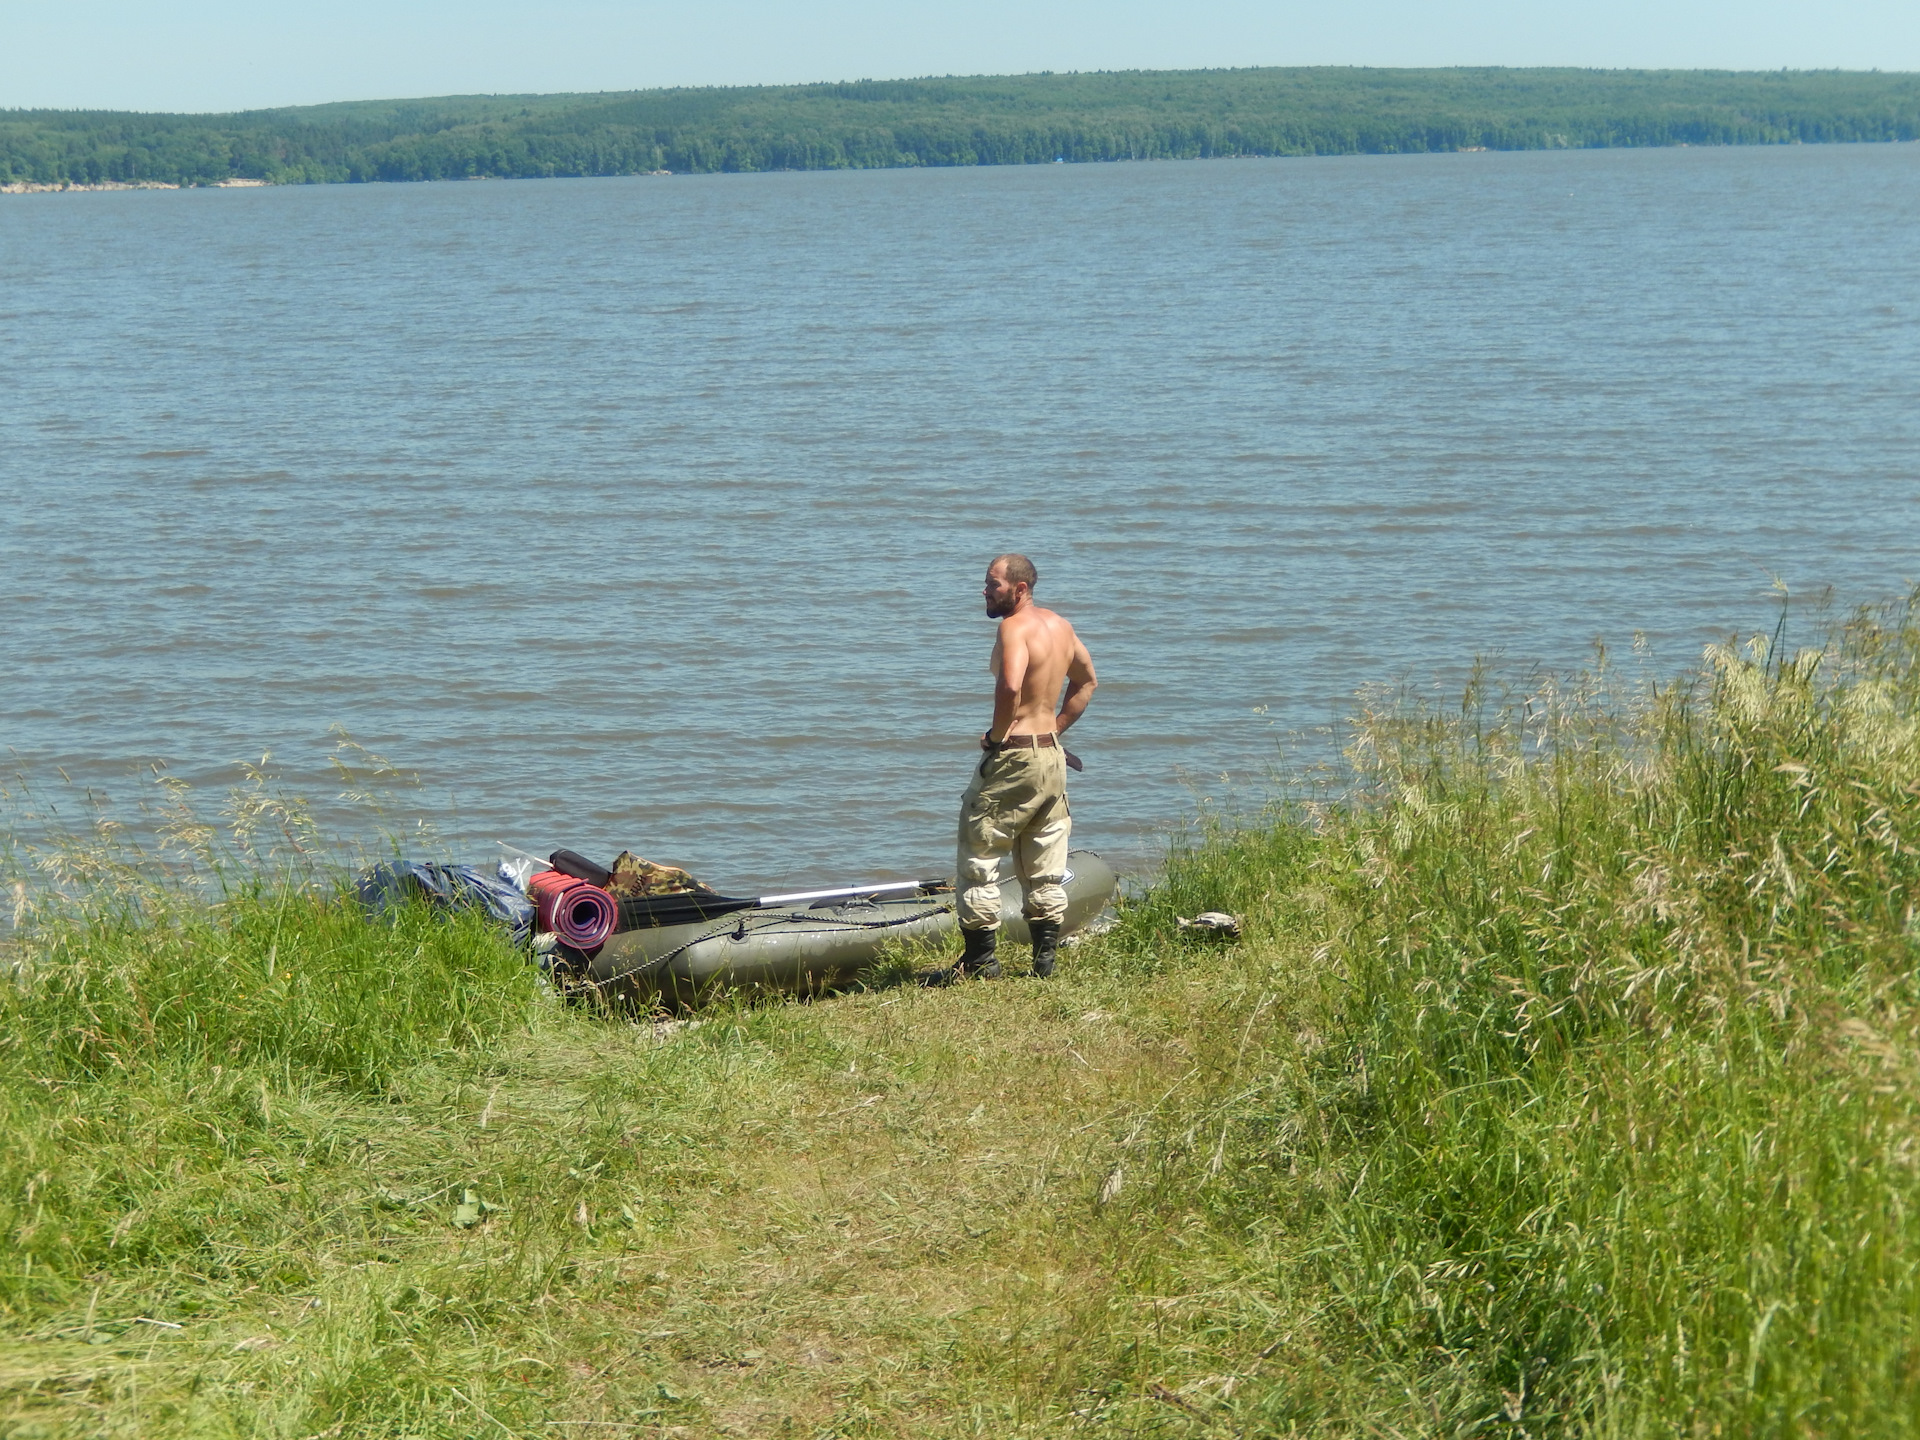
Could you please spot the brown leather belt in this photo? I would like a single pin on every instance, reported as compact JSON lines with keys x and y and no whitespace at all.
{"x":1029,"y":742}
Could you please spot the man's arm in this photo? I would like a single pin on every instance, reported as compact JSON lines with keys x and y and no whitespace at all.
{"x":1080,"y":686}
{"x":1007,"y":681}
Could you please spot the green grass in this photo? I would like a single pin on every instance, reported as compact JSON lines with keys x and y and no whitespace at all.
{"x":1562,"y":1084}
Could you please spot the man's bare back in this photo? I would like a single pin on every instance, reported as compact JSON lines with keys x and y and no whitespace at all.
{"x":1034,"y":654}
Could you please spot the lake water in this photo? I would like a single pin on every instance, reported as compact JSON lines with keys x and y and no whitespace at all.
{"x":652,"y":512}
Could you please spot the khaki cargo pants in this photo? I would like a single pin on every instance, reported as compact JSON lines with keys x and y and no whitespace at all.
{"x":1017,"y":805}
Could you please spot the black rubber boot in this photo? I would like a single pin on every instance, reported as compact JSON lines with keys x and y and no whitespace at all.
{"x":977,"y":960}
{"x":1046,"y":944}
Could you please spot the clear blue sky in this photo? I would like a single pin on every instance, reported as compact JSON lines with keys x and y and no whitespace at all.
{"x":223,"y":55}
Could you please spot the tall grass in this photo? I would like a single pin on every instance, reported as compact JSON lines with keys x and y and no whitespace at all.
{"x":143,"y":1058}
{"x":200,"y":1037}
{"x":1601,"y":1049}
{"x":288,"y":983}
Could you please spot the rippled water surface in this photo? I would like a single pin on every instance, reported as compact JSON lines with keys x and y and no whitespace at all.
{"x":651,"y":512}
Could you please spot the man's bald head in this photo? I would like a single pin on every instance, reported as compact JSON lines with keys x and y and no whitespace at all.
{"x":1018,"y":569}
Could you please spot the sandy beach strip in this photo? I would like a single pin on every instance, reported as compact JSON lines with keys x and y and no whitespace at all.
{"x":35,"y":187}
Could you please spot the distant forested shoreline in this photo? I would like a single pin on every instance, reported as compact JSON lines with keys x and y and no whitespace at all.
{"x":990,"y":120}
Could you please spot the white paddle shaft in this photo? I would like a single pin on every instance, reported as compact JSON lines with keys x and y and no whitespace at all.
{"x":836,"y":894}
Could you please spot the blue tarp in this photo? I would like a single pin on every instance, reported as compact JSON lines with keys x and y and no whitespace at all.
{"x":452,"y":886}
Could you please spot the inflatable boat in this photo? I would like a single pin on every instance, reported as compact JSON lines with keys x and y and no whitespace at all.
{"x":679,"y":948}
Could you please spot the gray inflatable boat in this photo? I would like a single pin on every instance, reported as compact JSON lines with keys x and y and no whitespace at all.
{"x":679,"y":948}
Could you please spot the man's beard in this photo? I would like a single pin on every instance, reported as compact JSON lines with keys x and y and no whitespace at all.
{"x":998,"y":610}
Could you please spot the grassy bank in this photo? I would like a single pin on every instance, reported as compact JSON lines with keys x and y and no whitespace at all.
{"x":1561,"y":1085}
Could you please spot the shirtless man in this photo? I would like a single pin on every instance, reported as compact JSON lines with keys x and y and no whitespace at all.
{"x":1017,"y":801}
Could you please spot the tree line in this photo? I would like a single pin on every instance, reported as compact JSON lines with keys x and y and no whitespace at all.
{"x":995,"y":120}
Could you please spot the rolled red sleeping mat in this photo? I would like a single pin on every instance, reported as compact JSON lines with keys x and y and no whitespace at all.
{"x":583,"y":915}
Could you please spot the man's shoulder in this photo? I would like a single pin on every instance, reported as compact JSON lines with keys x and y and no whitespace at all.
{"x":1035,"y":618}
{"x":1049,"y":630}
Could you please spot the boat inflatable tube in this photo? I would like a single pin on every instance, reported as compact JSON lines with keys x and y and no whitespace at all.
{"x":581,"y":914}
{"x":673,"y":953}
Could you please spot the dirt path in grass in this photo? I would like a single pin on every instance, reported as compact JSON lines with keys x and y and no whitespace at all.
{"x":920,"y":1238}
